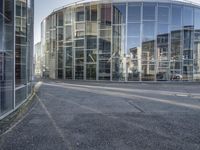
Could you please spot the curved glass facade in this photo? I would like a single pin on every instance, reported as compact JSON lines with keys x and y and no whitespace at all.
{"x":123,"y":41}
{"x":16,"y":50}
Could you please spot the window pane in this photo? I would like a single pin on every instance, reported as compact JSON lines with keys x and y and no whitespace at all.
{"x":91,"y":71}
{"x":91,"y":28}
{"x":68,"y":33}
{"x":68,"y":56}
{"x":91,"y":43}
{"x":106,"y":14}
{"x":163,"y":14}
{"x":91,"y":56}
{"x":133,"y":42}
{"x":134,"y":29}
{"x":119,"y":13}
{"x":148,"y":30}
{"x":149,"y":12}
{"x":188,"y":16}
{"x":163,"y":29}
{"x":197,"y":19}
{"x":134,"y":13}
{"x":94,"y":13}
{"x":80,"y":14}
{"x":68,"y":15}
{"x":60,"y":19}
{"x":176,"y":15}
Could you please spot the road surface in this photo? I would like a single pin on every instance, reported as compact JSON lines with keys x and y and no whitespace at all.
{"x":109,"y":116}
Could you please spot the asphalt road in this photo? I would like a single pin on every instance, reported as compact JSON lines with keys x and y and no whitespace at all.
{"x":109,"y":116}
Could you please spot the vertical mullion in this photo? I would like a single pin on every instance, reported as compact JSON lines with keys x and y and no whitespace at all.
{"x":14,"y":55}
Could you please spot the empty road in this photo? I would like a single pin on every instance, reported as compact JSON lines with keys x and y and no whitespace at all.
{"x":108,"y":116}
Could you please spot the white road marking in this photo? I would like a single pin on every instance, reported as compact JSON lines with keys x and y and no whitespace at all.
{"x":131,"y":90}
{"x":36,"y":88}
{"x":68,"y":144}
{"x":19,"y":121}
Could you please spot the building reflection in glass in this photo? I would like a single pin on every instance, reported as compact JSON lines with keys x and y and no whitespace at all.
{"x":16,"y":48}
{"x":127,"y":41}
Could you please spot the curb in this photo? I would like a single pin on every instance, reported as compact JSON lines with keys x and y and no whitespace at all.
{"x":12,"y":118}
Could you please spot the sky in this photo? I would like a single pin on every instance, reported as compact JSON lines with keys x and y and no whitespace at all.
{"x":42,"y":9}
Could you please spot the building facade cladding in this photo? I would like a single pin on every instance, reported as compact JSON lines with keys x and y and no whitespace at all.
{"x":16,"y":50}
{"x":127,"y":41}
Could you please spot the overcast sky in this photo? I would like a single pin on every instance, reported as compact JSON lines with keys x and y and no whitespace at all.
{"x":44,"y":7}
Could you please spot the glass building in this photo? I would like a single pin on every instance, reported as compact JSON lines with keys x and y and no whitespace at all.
{"x":16,"y":50}
{"x":123,"y":40}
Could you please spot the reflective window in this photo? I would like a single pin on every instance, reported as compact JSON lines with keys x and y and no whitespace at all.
{"x":68,"y":56}
{"x":163,"y":28}
{"x":188,"y":39}
{"x":176,"y":15}
{"x":80,"y":26}
{"x":88,"y":13}
{"x":91,"y":43}
{"x":94,"y":13}
{"x":60,"y":59}
{"x":60,"y":74}
{"x":68,"y":16}
{"x":104,"y":46}
{"x":196,"y":19}
{"x":149,"y":12}
{"x":91,"y":13}
{"x":91,"y":71}
{"x":60,"y":19}
{"x":148,"y":72}
{"x":68,"y":73}
{"x":134,"y":29}
{"x":79,"y":43}
{"x":187,"y":16}
{"x":148,"y":51}
{"x":163,"y":14}
{"x":91,"y":56}
{"x":68,"y":33}
{"x":104,"y":70}
{"x":60,"y":34}
{"x":91,"y":28}
{"x":106,"y":14}
{"x":175,"y":45}
{"x":133,"y":42}
{"x":148,"y":30}
{"x":134,"y":13}
{"x":79,"y":72}
{"x":80,"y":14}
{"x":80,"y":34}
{"x":119,"y":13}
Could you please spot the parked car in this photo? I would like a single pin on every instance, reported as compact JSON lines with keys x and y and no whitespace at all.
{"x":177,"y":77}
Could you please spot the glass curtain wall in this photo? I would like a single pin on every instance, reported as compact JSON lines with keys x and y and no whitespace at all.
{"x":118,"y":41}
{"x":134,"y":50}
{"x":16,"y":50}
{"x":30,"y":24}
{"x":196,"y":44}
{"x":91,"y":42}
{"x":6,"y":56}
{"x":23,"y":49}
{"x":127,"y":41}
